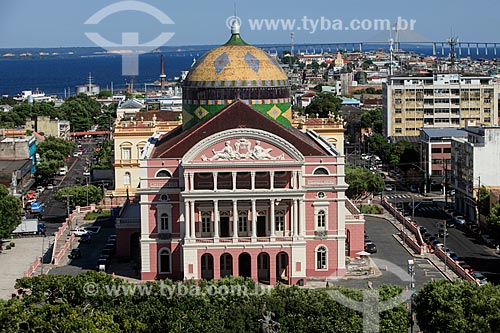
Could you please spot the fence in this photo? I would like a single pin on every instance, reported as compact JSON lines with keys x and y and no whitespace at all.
{"x":33,"y":267}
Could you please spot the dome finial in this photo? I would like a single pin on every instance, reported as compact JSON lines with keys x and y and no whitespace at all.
{"x":235,"y":26}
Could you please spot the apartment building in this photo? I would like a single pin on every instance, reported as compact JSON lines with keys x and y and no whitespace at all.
{"x":438,"y":99}
{"x":474,"y":161}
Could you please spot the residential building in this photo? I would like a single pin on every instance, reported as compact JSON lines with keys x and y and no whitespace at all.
{"x":129,"y":108}
{"x":240,"y":192}
{"x":438,"y":99}
{"x":19,"y":148}
{"x":50,"y":127}
{"x":474,"y":159}
{"x":436,"y":151}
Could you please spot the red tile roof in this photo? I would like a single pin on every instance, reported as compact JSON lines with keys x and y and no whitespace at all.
{"x":237,"y":115}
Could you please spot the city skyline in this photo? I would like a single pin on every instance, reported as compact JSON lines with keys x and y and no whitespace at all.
{"x":58,"y":23}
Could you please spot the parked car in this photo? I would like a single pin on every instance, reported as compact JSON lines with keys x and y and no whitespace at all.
{"x":75,"y":254}
{"x":453,"y":255}
{"x":50,"y":187}
{"x":459,"y":220}
{"x":480,"y":278}
{"x":371,"y":248}
{"x":413,"y":188}
{"x":40,"y":189}
{"x":388,"y":187}
{"x":79,"y":232}
{"x":86,"y":238}
{"x":441,"y":232}
{"x":102,"y":265}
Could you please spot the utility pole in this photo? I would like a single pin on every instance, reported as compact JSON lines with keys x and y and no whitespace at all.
{"x":68,"y":196}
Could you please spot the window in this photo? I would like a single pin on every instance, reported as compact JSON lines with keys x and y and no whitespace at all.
{"x":321,"y":258}
{"x":437,"y":161}
{"x":398,"y":130}
{"x":164,"y":222}
{"x":243,"y":221}
{"x":206,"y":222}
{"x":447,"y":150}
{"x":397,"y":111}
{"x":321,"y":171}
{"x":398,"y":120}
{"x":126,"y":154}
{"x":436,"y":150}
{"x":126,"y":178}
{"x":321,"y":219}
{"x":163,"y":174}
{"x":280,"y":220}
{"x":320,"y":195}
{"x":164,"y":263}
{"x":163,"y":197}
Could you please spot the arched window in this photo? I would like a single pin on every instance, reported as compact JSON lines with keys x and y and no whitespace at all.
{"x":321,"y":219}
{"x":206,"y":222}
{"x":163,"y":174}
{"x":321,"y":258}
{"x":321,"y":171}
{"x":126,"y":178}
{"x":164,"y":222}
{"x":164,"y":262}
{"x":280,"y":220}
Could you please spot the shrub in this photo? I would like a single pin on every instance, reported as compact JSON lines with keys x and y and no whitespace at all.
{"x":371,"y":209}
{"x":12,"y":244}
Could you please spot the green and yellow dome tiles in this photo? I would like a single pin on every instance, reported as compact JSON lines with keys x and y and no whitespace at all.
{"x":236,"y":71}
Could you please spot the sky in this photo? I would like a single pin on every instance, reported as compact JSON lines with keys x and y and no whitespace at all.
{"x":61,"y":23}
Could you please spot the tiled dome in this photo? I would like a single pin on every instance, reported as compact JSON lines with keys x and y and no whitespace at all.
{"x":235,"y":71}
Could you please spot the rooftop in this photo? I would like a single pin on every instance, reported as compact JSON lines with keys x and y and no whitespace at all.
{"x":444,"y":132}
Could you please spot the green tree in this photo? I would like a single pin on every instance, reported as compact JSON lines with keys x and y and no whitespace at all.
{"x":461,"y":306}
{"x":81,"y":110}
{"x":11,"y":212}
{"x":493,"y":220}
{"x":79,"y":194}
{"x":362,"y":182}
{"x":484,"y":201}
{"x":372,"y":119}
{"x":103,"y":94}
{"x":323,"y":104}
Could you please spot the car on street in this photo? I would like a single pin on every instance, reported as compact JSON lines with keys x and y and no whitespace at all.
{"x":86,"y":173}
{"x":79,"y":232}
{"x":441,"y":233}
{"x":40,"y":189}
{"x":388,"y":187}
{"x":480,"y":278}
{"x":75,"y":254}
{"x":86,"y":238}
{"x":453,"y":255}
{"x":371,"y":248}
{"x":102,"y":264}
{"x":413,"y":188}
{"x":50,"y":187}
{"x":459,"y":220}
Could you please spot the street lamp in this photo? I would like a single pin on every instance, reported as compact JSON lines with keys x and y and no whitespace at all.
{"x":111,"y":196}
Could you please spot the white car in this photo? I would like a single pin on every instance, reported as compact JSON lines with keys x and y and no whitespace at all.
{"x":388,"y":187}
{"x":79,"y":232}
{"x":50,"y":187}
{"x":40,"y":189}
{"x":86,"y":173}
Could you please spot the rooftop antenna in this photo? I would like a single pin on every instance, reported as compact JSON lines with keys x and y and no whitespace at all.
{"x":391,"y":50}
{"x":452,"y":41}
{"x":163,"y":77}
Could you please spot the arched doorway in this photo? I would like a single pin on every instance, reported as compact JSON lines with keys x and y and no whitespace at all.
{"x":348,"y":243}
{"x":282,"y":268}
{"x":245,"y":265}
{"x":226,"y":265}
{"x":263,"y":271}
{"x":135,"y":246}
{"x":207,"y":266}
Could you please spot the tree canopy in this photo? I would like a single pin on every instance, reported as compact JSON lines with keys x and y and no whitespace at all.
{"x":81,"y":110}
{"x":402,"y":153}
{"x":53,"y":152}
{"x":51,"y":303}
{"x":362,"y":182}
{"x":458,"y":307}
{"x":323,"y":104}
{"x":10,"y":209}
{"x":79,"y":194}
{"x":372,"y":119}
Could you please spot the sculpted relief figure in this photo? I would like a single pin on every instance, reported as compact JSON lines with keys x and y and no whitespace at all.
{"x":242,"y":151}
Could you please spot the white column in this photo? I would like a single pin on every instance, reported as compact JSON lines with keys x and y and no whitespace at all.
{"x":293,"y":182}
{"x":191,"y":181}
{"x":295,"y":217}
{"x":216,"y":220}
{"x":300,"y":180}
{"x":252,"y":179}
{"x":234,"y":180}
{"x":235,"y":218}
{"x":186,"y":182}
{"x":273,"y":217}
{"x":191,"y":220}
{"x":271,"y":179}
{"x":254,"y":219}
{"x":186,"y":219}
{"x":302,"y":219}
{"x":214,"y":175}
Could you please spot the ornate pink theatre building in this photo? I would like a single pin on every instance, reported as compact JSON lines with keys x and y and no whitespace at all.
{"x":241,"y":195}
{"x":236,"y":192}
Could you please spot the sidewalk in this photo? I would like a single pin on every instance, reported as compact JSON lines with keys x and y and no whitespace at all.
{"x":18,"y":259}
